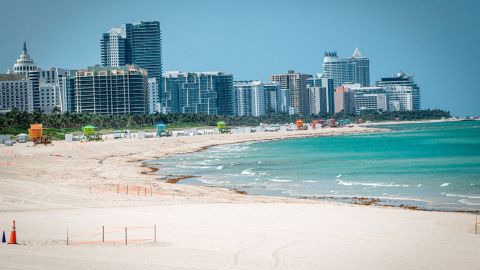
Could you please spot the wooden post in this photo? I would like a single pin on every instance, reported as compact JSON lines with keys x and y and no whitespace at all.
{"x":127,"y":189}
{"x":103,"y":234}
{"x":117,"y":188}
{"x":151,"y":191}
{"x":138,"y":190}
{"x":67,"y":236}
{"x":145,"y":191}
{"x":125,"y":236}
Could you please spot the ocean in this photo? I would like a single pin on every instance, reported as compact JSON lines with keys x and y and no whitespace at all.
{"x":432,"y":166}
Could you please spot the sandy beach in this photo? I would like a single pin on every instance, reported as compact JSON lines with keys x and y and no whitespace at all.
{"x":83,"y":186}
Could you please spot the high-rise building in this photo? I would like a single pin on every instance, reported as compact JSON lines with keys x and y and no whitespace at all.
{"x":249,"y":98}
{"x":197,"y":92}
{"x":69,"y":83}
{"x":113,"y":48}
{"x":296,"y":83}
{"x":111,"y":90}
{"x":326,"y":94}
{"x":314,"y":99}
{"x":52,"y":91}
{"x":272,"y":97}
{"x":15,"y":93}
{"x":284,"y":101}
{"x":24,"y":63}
{"x":403,"y":93}
{"x":153,"y":96}
{"x":355,"y":69}
{"x":137,"y":44}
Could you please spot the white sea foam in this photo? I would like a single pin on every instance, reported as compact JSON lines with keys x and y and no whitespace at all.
{"x":338,"y":176}
{"x":205,"y":181}
{"x":468,"y":202}
{"x":444,"y":184}
{"x":259,"y":162}
{"x":280,"y":180}
{"x":219,"y":167}
{"x":248,"y":172}
{"x":192,"y":167}
{"x":462,"y":196}
{"x":369,"y":184}
{"x":419,"y":185}
{"x":309,"y":181}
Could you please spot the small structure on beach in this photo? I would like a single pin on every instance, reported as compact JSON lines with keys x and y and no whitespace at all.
{"x":162,"y":130}
{"x":90,"y":133}
{"x":35,"y":132}
{"x":222,"y":127}
{"x":22,"y":138}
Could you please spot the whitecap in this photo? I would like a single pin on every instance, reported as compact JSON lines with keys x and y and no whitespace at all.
{"x":259,"y":162}
{"x":444,"y":184}
{"x":206,"y":181}
{"x":280,"y":180}
{"x":220,"y":167}
{"x":309,"y":181}
{"x":343,"y":183}
{"x":419,"y":185}
{"x":192,"y":167}
{"x":338,"y":176}
{"x":462,"y":196}
{"x":248,"y":171}
{"x":468,"y":202}
{"x":369,"y":184}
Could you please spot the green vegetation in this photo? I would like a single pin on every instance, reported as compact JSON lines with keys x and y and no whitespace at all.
{"x":57,"y":125}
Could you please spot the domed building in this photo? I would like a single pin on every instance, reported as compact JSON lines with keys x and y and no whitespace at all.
{"x":24,"y":63}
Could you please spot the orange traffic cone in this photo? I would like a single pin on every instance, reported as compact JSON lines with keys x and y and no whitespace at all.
{"x":13,"y":235}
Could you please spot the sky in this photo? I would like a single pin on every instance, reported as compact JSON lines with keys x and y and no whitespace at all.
{"x":436,"y":41}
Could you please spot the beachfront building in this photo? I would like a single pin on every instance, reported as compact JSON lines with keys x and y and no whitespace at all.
{"x":370,"y":99}
{"x":153,"y":96}
{"x":314,"y":99}
{"x":296,"y":83}
{"x":51,"y":89}
{"x":284,"y":101}
{"x":356,"y":99}
{"x":113,"y":48}
{"x":138,"y":44}
{"x":197,"y":92}
{"x":111,"y":90}
{"x":344,"y":101}
{"x":16,"y":92}
{"x":403,"y":93}
{"x":326,"y":92}
{"x":272,"y":96}
{"x":24,"y":63}
{"x":249,"y":98}
{"x":355,"y":69}
{"x":47,"y":85}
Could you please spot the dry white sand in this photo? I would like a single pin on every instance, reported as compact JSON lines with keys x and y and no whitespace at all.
{"x":47,"y":189}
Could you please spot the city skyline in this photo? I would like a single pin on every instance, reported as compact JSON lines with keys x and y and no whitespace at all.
{"x":443,"y":67}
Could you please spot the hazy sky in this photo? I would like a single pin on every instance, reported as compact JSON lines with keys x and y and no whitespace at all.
{"x":437,"y":41}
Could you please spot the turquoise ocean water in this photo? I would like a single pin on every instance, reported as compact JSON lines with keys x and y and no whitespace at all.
{"x":434,"y":166}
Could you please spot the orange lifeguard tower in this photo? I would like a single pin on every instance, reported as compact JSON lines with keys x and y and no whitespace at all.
{"x":299,"y":124}
{"x":35,"y":132}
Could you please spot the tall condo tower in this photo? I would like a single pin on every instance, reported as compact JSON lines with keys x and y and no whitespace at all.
{"x":355,"y":69}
